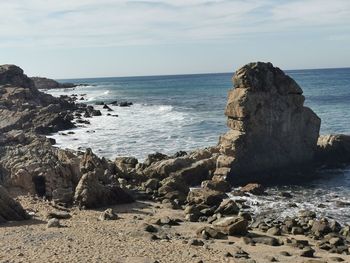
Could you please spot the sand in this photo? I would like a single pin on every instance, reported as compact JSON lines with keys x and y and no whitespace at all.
{"x":83,"y":238}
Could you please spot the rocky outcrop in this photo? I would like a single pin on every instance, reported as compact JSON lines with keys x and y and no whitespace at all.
{"x":10,"y":210}
{"x":34,"y":165}
{"x":23,"y":107}
{"x":333,"y":149}
{"x":90,"y":193}
{"x":11,"y":74}
{"x":45,"y":83}
{"x":31,"y":162}
{"x":270,"y":128}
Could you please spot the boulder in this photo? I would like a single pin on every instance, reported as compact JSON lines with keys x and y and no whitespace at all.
{"x":37,"y":167}
{"x":90,"y":193}
{"x":221,"y":186}
{"x":205,"y":196}
{"x":270,"y":129}
{"x":333,"y":149}
{"x":10,"y":210}
{"x":255,"y":189}
{"x":228,"y":207}
{"x":232,"y":225}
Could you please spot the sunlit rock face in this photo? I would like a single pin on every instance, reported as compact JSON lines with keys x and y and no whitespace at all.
{"x":270,"y":128}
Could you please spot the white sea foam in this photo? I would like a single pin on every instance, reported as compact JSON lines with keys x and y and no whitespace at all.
{"x":318,"y":196}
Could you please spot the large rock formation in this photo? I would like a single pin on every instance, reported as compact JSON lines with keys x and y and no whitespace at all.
{"x":270,"y":128}
{"x":23,"y":107}
{"x":45,"y":83}
{"x":11,"y":74}
{"x":29,"y":160}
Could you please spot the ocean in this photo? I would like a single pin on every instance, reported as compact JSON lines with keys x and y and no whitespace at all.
{"x":185,"y":112}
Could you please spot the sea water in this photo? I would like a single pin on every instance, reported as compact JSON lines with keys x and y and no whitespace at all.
{"x":185,"y":112}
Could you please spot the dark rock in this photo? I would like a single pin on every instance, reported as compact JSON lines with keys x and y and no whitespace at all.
{"x":59,"y":215}
{"x":275,"y":231}
{"x":333,"y":149}
{"x":150,"y":228}
{"x":105,"y":106}
{"x":196,"y":242}
{"x":228,"y":207}
{"x":255,"y":189}
{"x":10,"y":210}
{"x":307,"y":252}
{"x":266,"y":240}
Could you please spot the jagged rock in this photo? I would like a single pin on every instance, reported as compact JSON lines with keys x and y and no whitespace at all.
{"x":228,"y":207}
{"x":24,"y":108}
{"x":11,"y":74}
{"x":270,"y":129}
{"x":333,"y":149}
{"x":125,"y":164}
{"x":197,"y":172}
{"x":164,"y":168}
{"x":90,"y":193}
{"x":152,"y":184}
{"x":40,"y":169}
{"x":255,"y":189}
{"x":45,"y":83}
{"x":221,"y":186}
{"x":155,"y":157}
{"x":232,"y":225}
{"x":205,"y":196}
{"x":10,"y":210}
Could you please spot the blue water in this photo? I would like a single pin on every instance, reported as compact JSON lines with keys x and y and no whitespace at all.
{"x":327,"y":92}
{"x":172,"y":113}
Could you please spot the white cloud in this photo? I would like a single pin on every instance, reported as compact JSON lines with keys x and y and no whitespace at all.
{"x":79,"y":23}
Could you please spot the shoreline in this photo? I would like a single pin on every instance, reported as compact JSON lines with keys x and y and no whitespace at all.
{"x":84,"y":238}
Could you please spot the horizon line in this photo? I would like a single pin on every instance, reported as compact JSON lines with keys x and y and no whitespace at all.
{"x":190,"y":74}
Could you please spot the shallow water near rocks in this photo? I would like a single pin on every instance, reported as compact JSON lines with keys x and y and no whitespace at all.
{"x":327,"y":196}
{"x":185,"y":112}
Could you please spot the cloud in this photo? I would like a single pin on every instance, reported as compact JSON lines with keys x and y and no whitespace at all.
{"x":96,"y":23}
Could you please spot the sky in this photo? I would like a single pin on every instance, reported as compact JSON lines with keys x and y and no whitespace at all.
{"x":104,"y":38}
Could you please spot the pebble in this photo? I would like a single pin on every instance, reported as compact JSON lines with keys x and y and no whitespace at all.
{"x":54,"y":222}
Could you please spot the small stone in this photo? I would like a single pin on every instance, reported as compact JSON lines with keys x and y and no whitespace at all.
{"x":285,"y":253}
{"x":275,"y":231}
{"x":196,"y":242}
{"x":54,"y":222}
{"x":108,"y":214}
{"x":150,"y":228}
{"x":335,"y":241}
{"x":297,"y":230}
{"x":59,"y":215}
{"x":271,"y":259}
{"x":307,"y":252}
{"x":337,"y":259}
